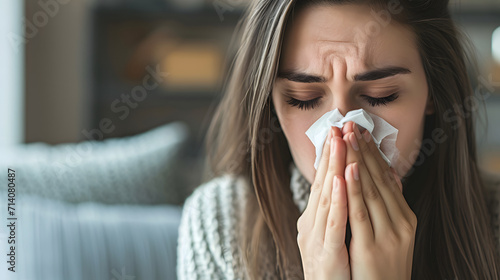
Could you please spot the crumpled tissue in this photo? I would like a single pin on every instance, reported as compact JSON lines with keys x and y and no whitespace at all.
{"x":384,"y":135}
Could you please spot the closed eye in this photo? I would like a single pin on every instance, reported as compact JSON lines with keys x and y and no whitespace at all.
{"x":372,"y":101}
{"x":304,"y":105}
{"x":380,"y":101}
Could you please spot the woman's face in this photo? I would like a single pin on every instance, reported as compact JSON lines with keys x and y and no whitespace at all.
{"x":340,"y":56}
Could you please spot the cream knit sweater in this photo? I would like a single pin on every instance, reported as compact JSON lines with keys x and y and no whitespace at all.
{"x":208,"y":246}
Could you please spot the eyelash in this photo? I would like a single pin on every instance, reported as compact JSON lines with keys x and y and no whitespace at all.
{"x":304,"y":104}
{"x":381,"y":101}
{"x":310,"y":104}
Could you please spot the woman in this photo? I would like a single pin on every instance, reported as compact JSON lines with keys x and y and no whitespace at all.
{"x":269,"y":214}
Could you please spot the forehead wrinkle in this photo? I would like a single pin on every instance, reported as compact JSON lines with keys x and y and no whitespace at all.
{"x":331,"y":52}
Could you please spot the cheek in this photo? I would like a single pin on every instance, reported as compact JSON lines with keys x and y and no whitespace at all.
{"x":411,"y":127}
{"x":294,"y":124}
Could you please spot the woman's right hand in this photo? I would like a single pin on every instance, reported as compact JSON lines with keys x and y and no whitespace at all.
{"x":322,"y":226}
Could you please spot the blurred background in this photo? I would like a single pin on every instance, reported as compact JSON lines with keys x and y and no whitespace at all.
{"x":70,"y":66}
{"x":134,"y":73}
{"x":80,"y":62}
{"x":77,"y":59}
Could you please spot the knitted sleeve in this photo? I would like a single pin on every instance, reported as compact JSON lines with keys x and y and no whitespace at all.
{"x":207,"y":244}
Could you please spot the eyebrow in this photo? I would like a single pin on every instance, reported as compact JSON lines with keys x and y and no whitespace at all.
{"x":371,"y":75}
{"x":301,"y":77}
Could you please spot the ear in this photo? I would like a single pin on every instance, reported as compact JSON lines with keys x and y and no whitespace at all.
{"x":429,"y":107}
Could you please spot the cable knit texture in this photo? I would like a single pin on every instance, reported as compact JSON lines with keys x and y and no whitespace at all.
{"x":208,"y":247}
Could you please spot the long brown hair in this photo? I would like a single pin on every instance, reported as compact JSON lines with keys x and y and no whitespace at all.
{"x":444,"y":188}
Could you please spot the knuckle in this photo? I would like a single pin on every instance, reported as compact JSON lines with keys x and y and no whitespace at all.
{"x":413,"y":219}
{"x":364,"y":147}
{"x":406,"y":227}
{"x":391,"y":238}
{"x":361,"y":215}
{"x":371,"y":192}
{"x":324,"y":154}
{"x":381,"y":177}
{"x":385,"y":179}
{"x":300,"y":238}
{"x":333,"y":224}
{"x":324,"y":200}
{"x":299,"y":223}
{"x":339,"y":204}
{"x":324,"y":160}
{"x":331,"y":166}
{"x":303,"y":240}
{"x":316,"y":186}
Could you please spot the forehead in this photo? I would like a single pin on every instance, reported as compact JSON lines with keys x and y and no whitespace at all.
{"x":322,"y":35}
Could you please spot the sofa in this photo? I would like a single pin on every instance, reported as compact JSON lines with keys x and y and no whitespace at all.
{"x":96,"y":209}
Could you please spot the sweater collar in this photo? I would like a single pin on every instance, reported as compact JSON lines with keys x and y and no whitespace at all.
{"x":300,"y":187}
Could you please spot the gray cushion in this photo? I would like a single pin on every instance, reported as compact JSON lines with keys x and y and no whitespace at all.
{"x":57,"y":240}
{"x":136,"y":169}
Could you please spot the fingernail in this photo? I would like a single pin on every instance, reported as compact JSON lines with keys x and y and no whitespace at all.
{"x":355,"y":171}
{"x":357,"y":132}
{"x":367,"y":136}
{"x":354,"y":142}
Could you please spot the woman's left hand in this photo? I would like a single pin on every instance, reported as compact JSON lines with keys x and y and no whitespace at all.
{"x":382,"y":224}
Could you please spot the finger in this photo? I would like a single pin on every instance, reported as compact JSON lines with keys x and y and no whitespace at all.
{"x":367,"y":138}
{"x":336,"y":163}
{"x":336,"y":132}
{"x":347,"y":127}
{"x":383,"y":177}
{"x":377,"y":166}
{"x":336,"y":167}
{"x":397,"y":179}
{"x":317,"y":185}
{"x":359,"y":219}
{"x":337,"y":217}
{"x":324,"y":204}
{"x":377,"y":208}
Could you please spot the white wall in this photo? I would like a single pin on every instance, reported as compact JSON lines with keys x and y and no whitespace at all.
{"x":11,"y":73}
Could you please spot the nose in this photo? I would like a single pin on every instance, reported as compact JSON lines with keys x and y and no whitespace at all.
{"x":344,"y":102}
{"x":341,"y":87}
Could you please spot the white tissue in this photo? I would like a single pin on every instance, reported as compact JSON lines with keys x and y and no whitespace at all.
{"x":384,"y":135}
